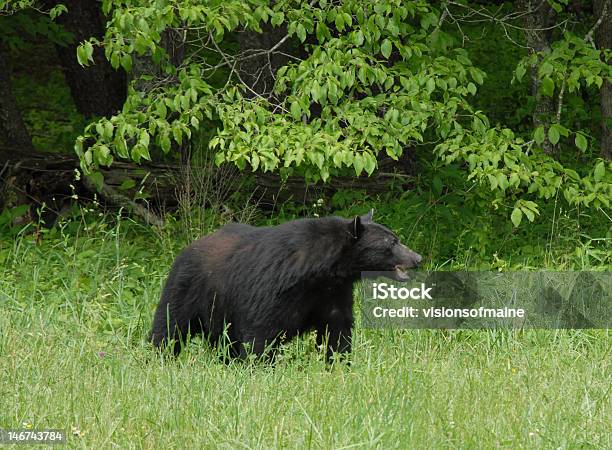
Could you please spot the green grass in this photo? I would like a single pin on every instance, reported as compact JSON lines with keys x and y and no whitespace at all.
{"x":76,"y":306}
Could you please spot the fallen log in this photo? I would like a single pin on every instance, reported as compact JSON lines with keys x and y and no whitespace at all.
{"x":50,"y":182}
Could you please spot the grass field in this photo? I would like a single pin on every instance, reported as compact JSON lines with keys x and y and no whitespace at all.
{"x":75,"y":309}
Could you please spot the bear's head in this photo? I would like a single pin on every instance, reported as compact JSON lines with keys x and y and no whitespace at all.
{"x":375,"y":248}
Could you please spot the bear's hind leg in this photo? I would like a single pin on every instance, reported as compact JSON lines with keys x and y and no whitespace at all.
{"x":168,"y":330}
{"x":173,"y":322}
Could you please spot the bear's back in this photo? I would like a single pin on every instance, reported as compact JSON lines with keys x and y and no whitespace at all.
{"x":290,"y":249}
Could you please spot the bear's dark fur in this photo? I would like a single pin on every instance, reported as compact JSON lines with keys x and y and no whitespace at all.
{"x":270,"y":284}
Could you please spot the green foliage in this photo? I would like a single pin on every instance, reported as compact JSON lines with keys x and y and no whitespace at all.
{"x":11,"y":6}
{"x":377,"y":79}
{"x":9,"y":220}
{"x":160,"y":116}
{"x":8,"y":7}
{"x":371,"y":101}
{"x":571,"y":64}
{"x":513,"y":167}
{"x":19,"y":20}
{"x":172,"y":111}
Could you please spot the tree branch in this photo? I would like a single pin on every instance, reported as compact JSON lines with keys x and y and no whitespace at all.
{"x":561,"y":92}
{"x":589,"y":36}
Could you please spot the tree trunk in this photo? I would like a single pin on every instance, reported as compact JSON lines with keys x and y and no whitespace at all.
{"x":97,"y":90}
{"x":12,"y":129}
{"x":538,"y":18}
{"x":603,"y":38}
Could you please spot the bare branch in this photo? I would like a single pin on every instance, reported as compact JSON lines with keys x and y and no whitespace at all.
{"x":589,"y":35}
{"x":561,"y":92}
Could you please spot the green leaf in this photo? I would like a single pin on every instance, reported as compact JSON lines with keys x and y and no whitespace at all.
{"x":431,"y":85}
{"x":358,"y":163}
{"x":115,"y":60}
{"x":561,"y":129}
{"x":177,"y":133}
{"x":546,"y":69}
{"x":81,"y":56}
{"x":102,"y":155}
{"x":516,"y":217}
{"x":165,"y":142}
{"x":322,"y":31}
{"x":547,"y":87}
{"x":600,"y":171}
{"x":358,"y":38}
{"x":254,"y":161}
{"x":97,"y":179}
{"x":143,"y":138}
{"x":339,"y":22}
{"x":315,"y":91}
{"x":539,"y":135}
{"x":55,"y":11}
{"x":161,"y":110}
{"x":493,"y":180}
{"x":386,"y":48}
{"x":369,"y":163}
{"x":514,"y":179}
{"x":88,"y":49}
{"x":428,"y":20}
{"x":108,"y":130}
{"x":530,"y":214}
{"x":476,"y":75}
{"x":277,"y":18}
{"x":553,"y":135}
{"x":219,"y":159}
{"x":126,"y":62}
{"x":296,"y":110}
{"x":301,"y":32}
{"x":128,"y":183}
{"x":520,"y":72}
{"x":581,"y":142}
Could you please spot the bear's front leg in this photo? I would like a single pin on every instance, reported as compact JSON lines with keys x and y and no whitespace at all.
{"x":259,"y":344}
{"x":336,"y":333}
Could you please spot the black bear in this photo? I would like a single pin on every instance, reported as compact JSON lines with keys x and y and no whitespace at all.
{"x":269,"y":284}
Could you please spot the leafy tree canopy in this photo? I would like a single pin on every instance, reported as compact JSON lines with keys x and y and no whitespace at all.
{"x":371,"y":79}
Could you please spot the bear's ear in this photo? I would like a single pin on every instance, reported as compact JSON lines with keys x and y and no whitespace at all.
{"x":357,"y":227}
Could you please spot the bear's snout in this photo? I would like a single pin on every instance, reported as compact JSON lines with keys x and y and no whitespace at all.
{"x":416,"y":258}
{"x":407,"y":258}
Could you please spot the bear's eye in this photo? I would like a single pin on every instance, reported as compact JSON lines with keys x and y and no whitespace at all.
{"x":389,"y":242}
